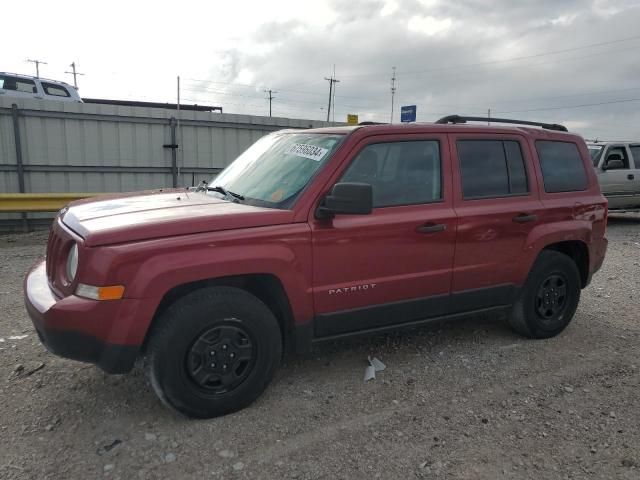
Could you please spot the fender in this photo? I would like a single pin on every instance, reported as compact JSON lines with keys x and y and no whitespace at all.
{"x":149,"y":269}
{"x":547,"y":234}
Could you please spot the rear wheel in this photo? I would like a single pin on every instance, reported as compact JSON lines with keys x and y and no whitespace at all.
{"x":213,"y":352}
{"x":549,"y":298}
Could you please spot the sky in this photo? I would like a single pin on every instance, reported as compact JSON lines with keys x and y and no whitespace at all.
{"x":574,"y":62}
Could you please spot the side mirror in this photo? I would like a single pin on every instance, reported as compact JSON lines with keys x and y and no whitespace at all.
{"x":347,"y":198}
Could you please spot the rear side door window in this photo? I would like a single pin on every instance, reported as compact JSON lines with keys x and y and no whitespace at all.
{"x":562,"y":166}
{"x":491,"y":168}
{"x":400,"y":173}
{"x":17,"y":84}
{"x":635,"y":153}
{"x":55,"y":90}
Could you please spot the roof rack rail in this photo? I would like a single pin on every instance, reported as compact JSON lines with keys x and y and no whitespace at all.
{"x":371,"y":123}
{"x":464,"y":119}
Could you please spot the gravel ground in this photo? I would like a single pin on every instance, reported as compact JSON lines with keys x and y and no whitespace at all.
{"x":467,"y":400}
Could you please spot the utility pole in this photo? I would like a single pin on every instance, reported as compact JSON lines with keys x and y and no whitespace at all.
{"x":489,"y":117}
{"x":332,"y":80}
{"x":37,"y":62}
{"x":75,"y":74}
{"x":393,"y":91}
{"x":270,"y":98}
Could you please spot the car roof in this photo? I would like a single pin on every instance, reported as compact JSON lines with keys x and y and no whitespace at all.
{"x":601,"y":144}
{"x":31,"y":77}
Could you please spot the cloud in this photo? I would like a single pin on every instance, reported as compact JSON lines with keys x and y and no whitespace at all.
{"x":428,"y":25}
{"x":518,"y":58}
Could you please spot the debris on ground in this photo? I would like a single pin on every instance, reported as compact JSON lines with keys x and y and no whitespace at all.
{"x":374,"y":366}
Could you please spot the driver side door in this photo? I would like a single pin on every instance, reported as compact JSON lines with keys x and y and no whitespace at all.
{"x":393,"y":265}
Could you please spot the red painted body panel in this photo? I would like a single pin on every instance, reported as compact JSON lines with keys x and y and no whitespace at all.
{"x":161,"y":214}
{"x":381,"y":258}
{"x":153,"y":242}
{"x":490,"y":246}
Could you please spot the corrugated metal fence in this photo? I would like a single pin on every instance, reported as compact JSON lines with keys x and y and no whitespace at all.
{"x":57,"y":147}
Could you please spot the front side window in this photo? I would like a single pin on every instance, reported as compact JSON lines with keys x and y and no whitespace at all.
{"x":617,"y":159}
{"x":491,"y":168}
{"x":17,"y":84}
{"x":275,"y":169}
{"x":562,"y":167}
{"x":400,"y":173}
{"x":55,"y":90}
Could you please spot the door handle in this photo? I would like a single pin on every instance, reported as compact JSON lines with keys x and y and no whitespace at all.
{"x":431,"y":228}
{"x":525,"y":217}
{"x":630,"y":176}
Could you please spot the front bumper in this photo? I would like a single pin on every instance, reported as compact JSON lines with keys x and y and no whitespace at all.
{"x":105,"y":333}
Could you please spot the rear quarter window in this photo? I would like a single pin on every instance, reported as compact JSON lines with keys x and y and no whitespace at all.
{"x":55,"y":90}
{"x":562,"y":166}
{"x":635,"y":152}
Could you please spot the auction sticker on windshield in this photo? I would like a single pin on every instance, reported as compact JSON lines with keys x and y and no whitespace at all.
{"x":307,"y":151}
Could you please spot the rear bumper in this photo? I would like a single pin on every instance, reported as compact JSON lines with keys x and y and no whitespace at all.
{"x":105,"y":333}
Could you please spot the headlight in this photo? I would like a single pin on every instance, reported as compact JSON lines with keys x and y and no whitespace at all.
{"x":72,"y":263}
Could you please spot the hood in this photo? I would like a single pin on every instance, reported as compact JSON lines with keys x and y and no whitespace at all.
{"x":163,"y":213}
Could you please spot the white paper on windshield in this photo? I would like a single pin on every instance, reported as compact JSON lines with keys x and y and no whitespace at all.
{"x":307,"y":151}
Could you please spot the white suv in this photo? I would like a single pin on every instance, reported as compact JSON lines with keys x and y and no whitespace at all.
{"x":24,"y":86}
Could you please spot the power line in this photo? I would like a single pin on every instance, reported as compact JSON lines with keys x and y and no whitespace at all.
{"x":529,"y":99}
{"x":493,"y":62}
{"x":566,"y":107}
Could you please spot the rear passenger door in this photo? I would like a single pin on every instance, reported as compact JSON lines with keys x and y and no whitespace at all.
{"x":496,"y":200}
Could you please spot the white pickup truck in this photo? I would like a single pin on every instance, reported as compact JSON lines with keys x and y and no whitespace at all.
{"x":25,"y":86}
{"x":617,"y":166}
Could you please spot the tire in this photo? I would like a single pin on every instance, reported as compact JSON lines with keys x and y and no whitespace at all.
{"x":549,"y":298}
{"x":213,"y":352}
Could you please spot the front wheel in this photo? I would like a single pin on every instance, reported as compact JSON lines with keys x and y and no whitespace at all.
{"x":213,"y":352}
{"x":549,"y":298}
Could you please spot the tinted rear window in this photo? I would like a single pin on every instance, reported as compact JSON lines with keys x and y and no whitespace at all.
{"x":491,"y":168}
{"x":562,"y":167}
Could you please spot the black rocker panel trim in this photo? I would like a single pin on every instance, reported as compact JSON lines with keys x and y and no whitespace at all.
{"x":409,"y":311}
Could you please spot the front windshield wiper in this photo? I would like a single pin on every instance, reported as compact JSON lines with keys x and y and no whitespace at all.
{"x":204,"y":185}
{"x":225,"y":192}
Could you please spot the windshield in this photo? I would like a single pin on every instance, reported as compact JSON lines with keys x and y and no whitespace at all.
{"x":275,"y":169}
{"x":595,"y":151}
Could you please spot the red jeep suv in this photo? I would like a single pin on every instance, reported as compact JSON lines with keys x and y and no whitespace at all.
{"x":312,"y":235}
